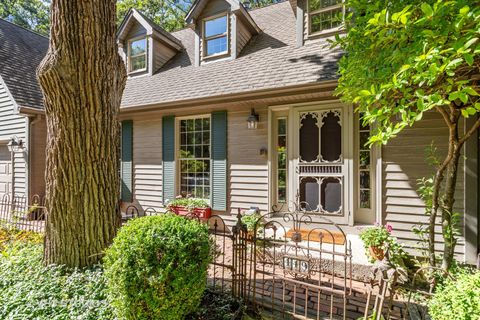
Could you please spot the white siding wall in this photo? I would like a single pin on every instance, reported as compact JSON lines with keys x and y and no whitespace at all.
{"x":147,"y":163}
{"x":12,"y":124}
{"x":403,"y":164}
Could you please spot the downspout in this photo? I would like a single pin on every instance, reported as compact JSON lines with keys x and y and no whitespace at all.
{"x":31,"y":121}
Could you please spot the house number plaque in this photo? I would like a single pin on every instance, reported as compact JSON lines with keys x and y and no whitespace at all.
{"x":296,"y":264}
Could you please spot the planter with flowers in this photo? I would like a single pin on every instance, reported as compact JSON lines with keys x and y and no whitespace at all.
{"x":190,"y":206}
{"x":379,"y":243}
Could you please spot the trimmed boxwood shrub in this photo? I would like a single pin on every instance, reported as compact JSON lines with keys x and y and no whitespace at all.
{"x":157,"y":266}
{"x":457,"y":299}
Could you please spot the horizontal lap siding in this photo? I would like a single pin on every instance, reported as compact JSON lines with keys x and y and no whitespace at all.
{"x":147,"y":160}
{"x":248,"y":174}
{"x":12,"y":124}
{"x":403,"y":164}
{"x":38,"y":142}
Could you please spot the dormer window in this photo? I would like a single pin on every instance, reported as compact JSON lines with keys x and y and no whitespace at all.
{"x":137,"y":55}
{"x":325,"y":15}
{"x":215,"y":36}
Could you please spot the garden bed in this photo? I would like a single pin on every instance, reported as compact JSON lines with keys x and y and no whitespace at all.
{"x":29,"y":290}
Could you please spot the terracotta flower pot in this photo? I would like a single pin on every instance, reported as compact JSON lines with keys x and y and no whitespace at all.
{"x":376,"y":253}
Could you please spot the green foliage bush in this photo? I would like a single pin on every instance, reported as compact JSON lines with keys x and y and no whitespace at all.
{"x":28,"y":290}
{"x":189,"y":203}
{"x":157,"y":267}
{"x":457,"y":299}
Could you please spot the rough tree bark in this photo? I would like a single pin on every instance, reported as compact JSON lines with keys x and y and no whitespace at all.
{"x":82,"y":78}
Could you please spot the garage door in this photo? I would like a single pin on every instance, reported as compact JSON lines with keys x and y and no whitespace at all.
{"x":5,"y":171}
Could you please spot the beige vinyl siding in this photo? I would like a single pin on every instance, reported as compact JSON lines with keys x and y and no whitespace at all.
{"x":248,"y":170}
{"x":37,"y":156}
{"x":147,"y":163}
{"x":161,"y":54}
{"x":12,"y":124}
{"x":403,"y":164}
{"x":243,"y":35}
{"x":136,"y":30}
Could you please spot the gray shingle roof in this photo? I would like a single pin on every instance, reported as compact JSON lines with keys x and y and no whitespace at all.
{"x":21,"y":51}
{"x":270,"y":60}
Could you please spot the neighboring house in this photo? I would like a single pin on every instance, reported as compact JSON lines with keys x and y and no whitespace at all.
{"x":239,"y":109}
{"x":22,"y":138}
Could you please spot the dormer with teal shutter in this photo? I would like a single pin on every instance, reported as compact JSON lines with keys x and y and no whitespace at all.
{"x":222,"y":29}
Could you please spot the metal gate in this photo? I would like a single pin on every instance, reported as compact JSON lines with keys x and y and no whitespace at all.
{"x":291,"y":264}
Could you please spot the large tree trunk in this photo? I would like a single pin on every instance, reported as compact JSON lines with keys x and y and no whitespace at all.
{"x":82,"y":78}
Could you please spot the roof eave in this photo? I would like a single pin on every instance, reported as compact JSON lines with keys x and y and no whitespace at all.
{"x":232,"y":97}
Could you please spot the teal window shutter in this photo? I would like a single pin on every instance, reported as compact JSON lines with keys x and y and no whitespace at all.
{"x":219,"y":160}
{"x":168,"y":157}
{"x":127,"y":161}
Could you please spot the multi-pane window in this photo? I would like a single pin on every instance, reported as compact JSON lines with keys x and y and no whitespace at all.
{"x":215,"y":36}
{"x":137,"y":55}
{"x":194,"y":157}
{"x":364,"y":166}
{"x":324,"y":14}
{"x":282,"y":160}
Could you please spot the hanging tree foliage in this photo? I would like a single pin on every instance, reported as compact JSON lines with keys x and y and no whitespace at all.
{"x":404,"y":58}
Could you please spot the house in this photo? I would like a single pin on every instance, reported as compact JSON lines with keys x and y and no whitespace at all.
{"x":239,"y":109}
{"x":22,"y":125}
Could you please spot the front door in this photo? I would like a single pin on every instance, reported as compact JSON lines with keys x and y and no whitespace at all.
{"x":322,"y":160}
{"x":5,"y":171}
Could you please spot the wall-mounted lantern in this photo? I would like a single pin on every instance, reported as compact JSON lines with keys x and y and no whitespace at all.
{"x":252,"y":120}
{"x":15,"y":144}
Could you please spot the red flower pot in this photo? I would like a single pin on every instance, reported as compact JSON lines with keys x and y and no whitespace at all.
{"x":202,"y":213}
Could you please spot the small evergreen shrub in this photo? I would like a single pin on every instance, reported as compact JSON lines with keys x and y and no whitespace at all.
{"x":157,"y":267}
{"x":457,"y":299}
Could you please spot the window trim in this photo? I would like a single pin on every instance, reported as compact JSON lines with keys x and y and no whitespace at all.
{"x":178,"y":173}
{"x":326,"y":32}
{"x":129,"y":56}
{"x":226,"y":34}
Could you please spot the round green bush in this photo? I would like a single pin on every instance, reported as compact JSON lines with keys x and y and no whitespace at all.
{"x":457,"y":299}
{"x":157,"y":266}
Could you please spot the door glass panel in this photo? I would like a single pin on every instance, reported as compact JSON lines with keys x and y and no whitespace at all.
{"x":309,"y":137}
{"x":309,"y":195}
{"x":331,"y":139}
{"x":282,"y":160}
{"x":331,"y":194}
{"x":364,"y":173}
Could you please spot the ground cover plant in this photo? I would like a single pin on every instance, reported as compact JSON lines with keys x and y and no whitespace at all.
{"x":29,"y":290}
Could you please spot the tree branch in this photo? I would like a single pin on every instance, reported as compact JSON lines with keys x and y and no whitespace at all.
{"x":470,"y":132}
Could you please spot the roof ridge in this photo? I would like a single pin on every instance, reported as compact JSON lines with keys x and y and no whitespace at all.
{"x":26,"y":29}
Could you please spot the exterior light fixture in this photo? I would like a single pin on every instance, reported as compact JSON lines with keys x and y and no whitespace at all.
{"x":252,"y":120}
{"x":15,"y":144}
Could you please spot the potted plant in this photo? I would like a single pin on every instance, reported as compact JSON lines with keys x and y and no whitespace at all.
{"x":376,"y":240}
{"x":187,"y":205}
{"x":251,"y":221}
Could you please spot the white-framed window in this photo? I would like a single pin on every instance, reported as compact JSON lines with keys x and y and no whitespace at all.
{"x":325,"y":16}
{"x":364,"y":167}
{"x":137,"y":55}
{"x":194,"y":156}
{"x":215,"y":35}
{"x":281,"y":159}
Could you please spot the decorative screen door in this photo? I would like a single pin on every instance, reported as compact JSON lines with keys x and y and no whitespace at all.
{"x":323,"y":160}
